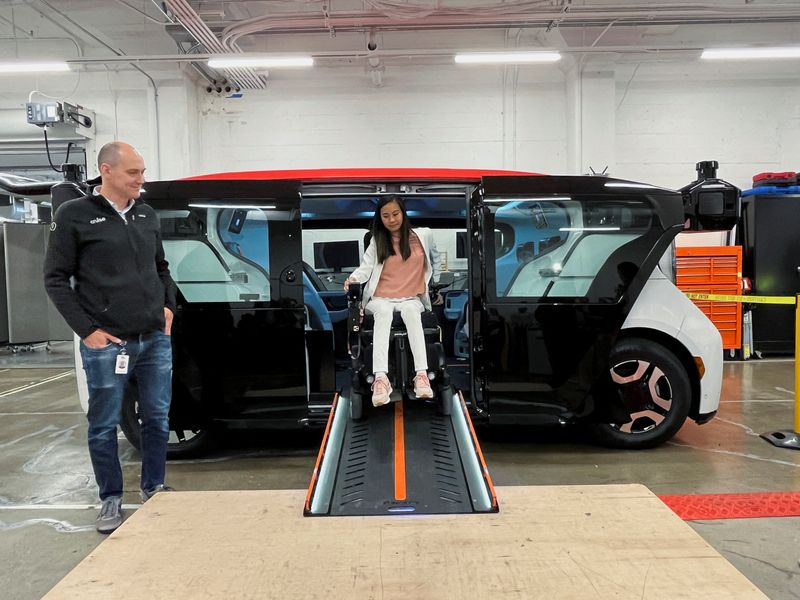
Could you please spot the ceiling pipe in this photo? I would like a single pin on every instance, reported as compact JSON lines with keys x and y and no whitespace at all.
{"x":189,"y":19}
{"x":486,"y":18}
{"x":379,"y":55}
{"x":243,"y":77}
{"x":119,"y":53}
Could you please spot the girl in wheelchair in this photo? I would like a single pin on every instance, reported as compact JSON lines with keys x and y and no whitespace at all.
{"x":397,"y":268}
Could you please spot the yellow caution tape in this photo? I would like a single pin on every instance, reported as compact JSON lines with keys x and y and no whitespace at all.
{"x":749,"y":299}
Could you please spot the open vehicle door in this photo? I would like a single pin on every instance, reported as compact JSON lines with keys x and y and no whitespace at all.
{"x":557,"y":263}
{"x":234,"y":251}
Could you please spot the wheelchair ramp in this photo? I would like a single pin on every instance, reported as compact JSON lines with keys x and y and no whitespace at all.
{"x":403,"y":458}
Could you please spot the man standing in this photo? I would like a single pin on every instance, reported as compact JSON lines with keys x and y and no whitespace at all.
{"x":106,"y":273}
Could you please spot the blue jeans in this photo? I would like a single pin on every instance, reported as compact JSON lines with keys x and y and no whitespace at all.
{"x":150,"y":363}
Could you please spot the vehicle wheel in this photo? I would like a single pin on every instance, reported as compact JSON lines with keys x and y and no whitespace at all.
{"x":183,"y":443}
{"x":356,"y":406}
{"x":653,"y":388}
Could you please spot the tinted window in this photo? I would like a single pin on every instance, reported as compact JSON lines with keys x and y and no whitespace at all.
{"x":218,"y":254}
{"x":572,"y":249}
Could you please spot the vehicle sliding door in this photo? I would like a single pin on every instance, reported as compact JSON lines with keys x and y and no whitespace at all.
{"x":557,"y":263}
{"x":234,"y":250}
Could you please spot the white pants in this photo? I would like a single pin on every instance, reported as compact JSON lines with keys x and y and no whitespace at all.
{"x":410,"y":310}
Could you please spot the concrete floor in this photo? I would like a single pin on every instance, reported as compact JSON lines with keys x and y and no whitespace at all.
{"x":47,"y":485}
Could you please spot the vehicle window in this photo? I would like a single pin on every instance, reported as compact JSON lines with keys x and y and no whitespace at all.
{"x":572,"y":249}
{"x":332,"y":254}
{"x":218,"y":254}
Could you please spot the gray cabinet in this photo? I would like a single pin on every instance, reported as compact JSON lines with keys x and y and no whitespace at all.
{"x":26,"y":313}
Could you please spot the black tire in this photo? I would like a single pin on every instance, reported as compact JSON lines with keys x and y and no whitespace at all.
{"x":356,"y":406}
{"x":652,"y":387}
{"x":186,"y":443}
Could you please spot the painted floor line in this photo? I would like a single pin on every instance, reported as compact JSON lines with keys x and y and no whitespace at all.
{"x":28,"y":386}
{"x":756,"y":401}
{"x":775,"y":461}
{"x":61,"y":506}
{"x":38,"y":414}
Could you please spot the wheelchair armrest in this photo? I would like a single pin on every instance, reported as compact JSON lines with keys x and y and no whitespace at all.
{"x":354,"y":292}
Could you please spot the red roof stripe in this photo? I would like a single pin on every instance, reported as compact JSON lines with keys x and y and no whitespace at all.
{"x":361,"y":174}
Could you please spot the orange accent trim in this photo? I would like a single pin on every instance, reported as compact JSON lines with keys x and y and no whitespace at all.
{"x":484,"y":468}
{"x":399,"y":453}
{"x":321,"y":453}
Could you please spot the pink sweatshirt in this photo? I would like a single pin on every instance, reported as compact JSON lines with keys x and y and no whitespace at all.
{"x":403,"y":278}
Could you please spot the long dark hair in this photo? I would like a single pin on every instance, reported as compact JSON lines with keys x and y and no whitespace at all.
{"x":381,"y":236}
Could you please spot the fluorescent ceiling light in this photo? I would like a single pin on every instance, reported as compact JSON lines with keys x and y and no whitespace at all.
{"x":528,"y":199}
{"x":746,"y":53}
{"x":34,"y":67}
{"x":495,"y":58}
{"x":234,"y":61}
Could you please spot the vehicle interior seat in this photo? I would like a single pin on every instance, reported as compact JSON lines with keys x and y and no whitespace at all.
{"x":318,"y":316}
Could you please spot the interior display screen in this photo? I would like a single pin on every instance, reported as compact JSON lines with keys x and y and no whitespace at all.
{"x":336,"y":255}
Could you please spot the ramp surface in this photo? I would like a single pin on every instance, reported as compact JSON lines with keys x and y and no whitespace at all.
{"x":404,"y":458}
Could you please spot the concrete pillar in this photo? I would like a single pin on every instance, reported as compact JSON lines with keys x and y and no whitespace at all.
{"x":591,"y":117}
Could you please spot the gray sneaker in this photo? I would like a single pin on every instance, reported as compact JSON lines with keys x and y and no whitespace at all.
{"x":110,"y":516}
{"x":146,"y":495}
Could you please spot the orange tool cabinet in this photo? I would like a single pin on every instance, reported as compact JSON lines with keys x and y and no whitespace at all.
{"x":714,"y":270}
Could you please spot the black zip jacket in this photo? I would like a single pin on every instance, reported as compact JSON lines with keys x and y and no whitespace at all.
{"x":122,"y":281}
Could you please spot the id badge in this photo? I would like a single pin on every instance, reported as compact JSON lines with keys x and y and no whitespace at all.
{"x":122,"y":364}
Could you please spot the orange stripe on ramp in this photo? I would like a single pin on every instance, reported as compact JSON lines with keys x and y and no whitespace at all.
{"x":399,"y":453}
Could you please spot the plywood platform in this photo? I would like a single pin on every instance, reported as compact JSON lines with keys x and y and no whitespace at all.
{"x":549,"y":542}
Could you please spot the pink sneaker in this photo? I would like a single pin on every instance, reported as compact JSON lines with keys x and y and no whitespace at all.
{"x":422,"y":386}
{"x":381,"y":390}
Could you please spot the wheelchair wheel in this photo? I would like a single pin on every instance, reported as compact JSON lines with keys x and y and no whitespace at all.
{"x":356,"y":406}
{"x":446,"y":400}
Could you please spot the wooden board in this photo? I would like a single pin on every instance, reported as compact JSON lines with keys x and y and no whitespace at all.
{"x":564,"y":542}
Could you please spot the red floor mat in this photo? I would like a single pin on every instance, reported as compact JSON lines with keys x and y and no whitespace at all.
{"x":695,"y":507}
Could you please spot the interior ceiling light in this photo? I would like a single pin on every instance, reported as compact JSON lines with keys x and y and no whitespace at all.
{"x":496,"y":58}
{"x":747,"y":53}
{"x":32,"y":67}
{"x":236,"y":206}
{"x":233,"y":61}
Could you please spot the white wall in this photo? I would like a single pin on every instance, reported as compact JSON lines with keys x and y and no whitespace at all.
{"x":672,"y":118}
{"x":650,"y":123}
{"x":421,"y":117}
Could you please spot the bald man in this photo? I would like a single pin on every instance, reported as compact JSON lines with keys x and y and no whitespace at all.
{"x":106,"y":274}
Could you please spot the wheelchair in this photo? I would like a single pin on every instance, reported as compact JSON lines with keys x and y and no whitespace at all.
{"x":401,"y":362}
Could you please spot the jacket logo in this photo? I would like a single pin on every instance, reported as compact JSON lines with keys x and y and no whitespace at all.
{"x":97,"y":220}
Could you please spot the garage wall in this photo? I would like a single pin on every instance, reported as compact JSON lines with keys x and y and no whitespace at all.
{"x":421,"y":117}
{"x":671,"y":117}
{"x":658,"y":120}
{"x":661,"y":123}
